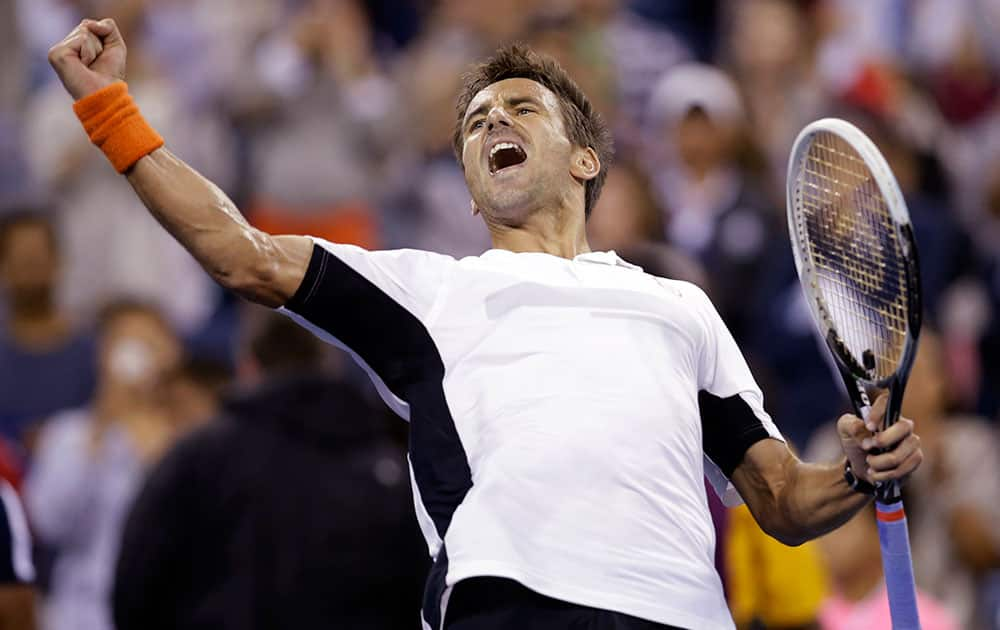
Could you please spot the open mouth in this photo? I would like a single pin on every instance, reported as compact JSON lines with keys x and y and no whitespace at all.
{"x":504,"y":155}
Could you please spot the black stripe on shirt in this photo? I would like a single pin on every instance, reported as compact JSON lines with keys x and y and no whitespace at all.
{"x":729,"y":427}
{"x":400,"y":350}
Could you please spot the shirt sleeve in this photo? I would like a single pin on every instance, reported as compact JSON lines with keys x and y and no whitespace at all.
{"x":730,"y":403}
{"x":378,"y":307}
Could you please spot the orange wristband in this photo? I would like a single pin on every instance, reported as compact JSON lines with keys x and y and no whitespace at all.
{"x":113,"y":122}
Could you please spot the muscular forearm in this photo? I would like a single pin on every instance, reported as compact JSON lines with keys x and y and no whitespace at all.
{"x":815,"y":501}
{"x":202,"y":218}
{"x":794,"y":501}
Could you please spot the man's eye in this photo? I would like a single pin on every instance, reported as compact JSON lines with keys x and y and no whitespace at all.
{"x":476,"y":125}
{"x":523,"y":111}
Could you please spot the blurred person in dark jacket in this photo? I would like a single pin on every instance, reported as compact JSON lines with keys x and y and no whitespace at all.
{"x":292,"y":510}
{"x":45,"y":365}
{"x":196,"y":392}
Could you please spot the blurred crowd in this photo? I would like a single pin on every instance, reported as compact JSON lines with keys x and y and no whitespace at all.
{"x":187,"y":461}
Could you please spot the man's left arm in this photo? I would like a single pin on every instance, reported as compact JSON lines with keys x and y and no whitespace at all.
{"x":796,"y":501}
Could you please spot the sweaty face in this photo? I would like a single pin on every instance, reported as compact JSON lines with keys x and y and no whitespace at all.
{"x":515,"y":150}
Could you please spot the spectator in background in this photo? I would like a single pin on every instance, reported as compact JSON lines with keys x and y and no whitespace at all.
{"x":859,"y":598}
{"x":952,"y":507}
{"x":14,"y":180}
{"x":292,"y":510}
{"x":196,"y":391}
{"x":626,"y":214}
{"x":770,"y":49}
{"x":715,"y":213}
{"x":101,"y":263}
{"x":45,"y":365}
{"x":987,"y":337}
{"x":17,"y":574}
{"x":768,"y":584}
{"x":428,"y":204}
{"x":314,"y":149}
{"x":89,"y":464}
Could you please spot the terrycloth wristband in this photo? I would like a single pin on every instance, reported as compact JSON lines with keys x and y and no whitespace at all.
{"x":113,"y":122}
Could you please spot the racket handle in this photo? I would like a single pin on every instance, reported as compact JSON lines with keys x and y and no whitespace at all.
{"x":897,"y":566}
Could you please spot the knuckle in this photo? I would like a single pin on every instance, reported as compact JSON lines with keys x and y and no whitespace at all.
{"x":849,"y":424}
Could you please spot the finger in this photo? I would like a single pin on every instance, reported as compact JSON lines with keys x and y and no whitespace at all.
{"x":901,"y":472}
{"x":92,"y":48}
{"x":101,"y":29}
{"x":108,"y":30}
{"x":852,"y":427}
{"x":68,"y":49}
{"x":877,"y":412}
{"x":893,"y":435}
{"x":887,"y":461}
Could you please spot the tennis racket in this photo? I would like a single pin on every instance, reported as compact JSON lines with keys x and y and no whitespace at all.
{"x":857,"y":263}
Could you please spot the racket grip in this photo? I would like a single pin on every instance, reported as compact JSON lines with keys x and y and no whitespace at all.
{"x":897,"y":566}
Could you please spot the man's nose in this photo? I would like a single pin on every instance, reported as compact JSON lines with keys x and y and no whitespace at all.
{"x":497,"y":116}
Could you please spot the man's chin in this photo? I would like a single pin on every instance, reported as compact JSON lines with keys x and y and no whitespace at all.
{"x":508,"y":207}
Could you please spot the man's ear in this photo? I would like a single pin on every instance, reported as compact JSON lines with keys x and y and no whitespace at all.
{"x":475,"y":208}
{"x":585,"y":165}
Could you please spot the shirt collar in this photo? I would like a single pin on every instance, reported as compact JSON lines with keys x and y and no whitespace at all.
{"x":609,"y":257}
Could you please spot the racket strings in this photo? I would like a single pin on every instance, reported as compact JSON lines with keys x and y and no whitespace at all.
{"x":852,"y":246}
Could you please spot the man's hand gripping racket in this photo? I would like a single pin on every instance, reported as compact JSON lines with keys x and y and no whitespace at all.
{"x":857,"y":263}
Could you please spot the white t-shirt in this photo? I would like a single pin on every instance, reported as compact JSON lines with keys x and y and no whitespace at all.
{"x":563,"y":414}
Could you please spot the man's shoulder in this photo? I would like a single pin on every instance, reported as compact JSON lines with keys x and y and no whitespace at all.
{"x":687,"y":291}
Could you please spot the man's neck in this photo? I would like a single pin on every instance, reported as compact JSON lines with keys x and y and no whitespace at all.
{"x":560,"y":233}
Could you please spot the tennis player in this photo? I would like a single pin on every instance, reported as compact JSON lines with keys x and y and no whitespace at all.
{"x":564,"y":406}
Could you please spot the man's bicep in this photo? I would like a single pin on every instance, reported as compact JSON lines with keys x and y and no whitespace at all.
{"x":287,"y":260}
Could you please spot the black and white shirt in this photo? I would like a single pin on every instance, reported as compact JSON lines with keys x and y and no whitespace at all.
{"x":563,"y":415}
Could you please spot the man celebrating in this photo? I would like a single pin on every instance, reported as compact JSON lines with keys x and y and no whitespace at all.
{"x":563,"y":405}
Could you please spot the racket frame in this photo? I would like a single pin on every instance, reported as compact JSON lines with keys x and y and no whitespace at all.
{"x":856,"y":379}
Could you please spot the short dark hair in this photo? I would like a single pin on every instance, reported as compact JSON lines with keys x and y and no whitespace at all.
{"x":13,"y":219}
{"x":280,"y":345}
{"x":118,"y":307}
{"x":585,"y":127}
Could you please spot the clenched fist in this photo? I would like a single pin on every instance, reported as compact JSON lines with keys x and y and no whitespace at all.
{"x":91,"y":57}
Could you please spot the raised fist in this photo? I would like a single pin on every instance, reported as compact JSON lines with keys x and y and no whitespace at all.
{"x":91,"y":57}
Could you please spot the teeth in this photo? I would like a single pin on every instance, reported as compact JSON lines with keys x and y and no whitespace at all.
{"x":502,"y":145}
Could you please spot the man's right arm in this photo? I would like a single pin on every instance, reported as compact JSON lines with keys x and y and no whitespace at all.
{"x":260,"y":267}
